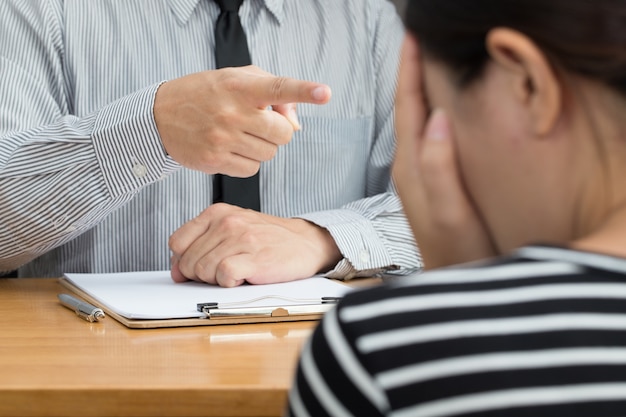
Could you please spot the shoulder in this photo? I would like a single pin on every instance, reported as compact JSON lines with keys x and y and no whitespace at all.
{"x":476,"y":332}
{"x":490,"y":289}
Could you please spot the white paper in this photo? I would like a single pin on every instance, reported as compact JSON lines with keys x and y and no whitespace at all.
{"x":153,"y":295}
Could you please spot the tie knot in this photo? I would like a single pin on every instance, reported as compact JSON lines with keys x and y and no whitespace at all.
{"x":229,"y":5}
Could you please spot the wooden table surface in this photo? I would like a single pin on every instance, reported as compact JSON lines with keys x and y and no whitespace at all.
{"x":55,"y":364}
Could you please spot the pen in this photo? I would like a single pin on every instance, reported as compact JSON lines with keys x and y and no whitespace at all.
{"x":82,"y":309}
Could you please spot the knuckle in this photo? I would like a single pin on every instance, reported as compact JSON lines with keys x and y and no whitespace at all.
{"x":198,"y":270}
{"x":201,"y":270}
{"x":230,"y":80}
{"x":226,"y":269}
{"x":211,"y":159}
{"x":197,"y":221}
{"x":249,"y":238}
{"x":231,"y":223}
{"x":228,"y":273}
{"x":175,"y":244}
{"x":195,"y":226}
{"x":215,"y":209}
{"x":227,"y":116}
{"x":186,"y":269}
{"x":278,"y":87}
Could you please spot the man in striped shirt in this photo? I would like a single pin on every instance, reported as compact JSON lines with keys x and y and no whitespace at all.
{"x":525,"y":143}
{"x":92,"y":148}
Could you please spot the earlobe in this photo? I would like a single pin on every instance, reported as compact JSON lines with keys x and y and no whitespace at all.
{"x":535,"y":82}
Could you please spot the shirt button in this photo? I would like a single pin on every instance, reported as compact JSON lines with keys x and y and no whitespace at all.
{"x":140,"y":171}
{"x":364,"y":256}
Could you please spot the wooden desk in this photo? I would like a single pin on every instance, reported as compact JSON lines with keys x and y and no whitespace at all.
{"x":52,"y":363}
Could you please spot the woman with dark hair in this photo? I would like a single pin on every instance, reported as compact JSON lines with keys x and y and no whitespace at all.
{"x":510,"y":118}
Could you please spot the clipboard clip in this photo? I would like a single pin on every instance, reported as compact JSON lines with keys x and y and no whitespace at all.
{"x":215,"y":310}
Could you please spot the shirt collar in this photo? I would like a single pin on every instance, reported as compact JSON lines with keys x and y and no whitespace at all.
{"x":183,"y":9}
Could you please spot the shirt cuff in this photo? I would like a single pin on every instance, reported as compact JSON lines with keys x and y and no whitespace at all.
{"x":128,"y":145}
{"x":363,"y":250}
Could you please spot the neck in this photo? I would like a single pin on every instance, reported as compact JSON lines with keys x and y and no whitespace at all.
{"x":601,"y":220}
{"x":609,"y":238}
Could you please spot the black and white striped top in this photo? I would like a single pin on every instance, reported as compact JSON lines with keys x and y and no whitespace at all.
{"x":79,"y":147}
{"x":540,"y":333}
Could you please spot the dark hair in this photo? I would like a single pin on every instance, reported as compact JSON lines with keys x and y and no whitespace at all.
{"x":587,"y":37}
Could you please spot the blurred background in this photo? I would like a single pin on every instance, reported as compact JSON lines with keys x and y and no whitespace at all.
{"x":400,"y":5}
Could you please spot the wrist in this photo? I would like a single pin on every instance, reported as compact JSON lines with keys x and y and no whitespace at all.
{"x":321,"y":244}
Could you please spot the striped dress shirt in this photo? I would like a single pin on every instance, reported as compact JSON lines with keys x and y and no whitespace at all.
{"x":85,"y":183}
{"x":540,"y":333}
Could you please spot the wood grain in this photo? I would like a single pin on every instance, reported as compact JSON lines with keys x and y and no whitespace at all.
{"x":52,"y":363}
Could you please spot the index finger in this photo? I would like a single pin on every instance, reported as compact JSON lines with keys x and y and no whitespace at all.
{"x":410,"y":112}
{"x":271,"y":90}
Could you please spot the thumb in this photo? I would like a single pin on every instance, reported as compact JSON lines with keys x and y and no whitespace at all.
{"x":289,"y":111}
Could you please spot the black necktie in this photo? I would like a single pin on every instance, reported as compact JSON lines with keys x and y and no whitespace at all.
{"x":231,"y":50}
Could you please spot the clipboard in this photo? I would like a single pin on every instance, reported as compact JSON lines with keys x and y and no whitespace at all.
{"x":145,"y":300}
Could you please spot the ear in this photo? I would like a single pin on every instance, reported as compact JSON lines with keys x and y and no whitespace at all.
{"x":534,"y":80}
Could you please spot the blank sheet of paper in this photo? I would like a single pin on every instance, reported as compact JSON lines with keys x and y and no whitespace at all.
{"x":153,"y":295}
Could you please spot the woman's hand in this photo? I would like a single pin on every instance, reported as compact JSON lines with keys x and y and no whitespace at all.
{"x":446,"y":225}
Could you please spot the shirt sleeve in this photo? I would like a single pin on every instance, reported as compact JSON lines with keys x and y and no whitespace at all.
{"x":373,"y":234}
{"x":61,"y":174}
